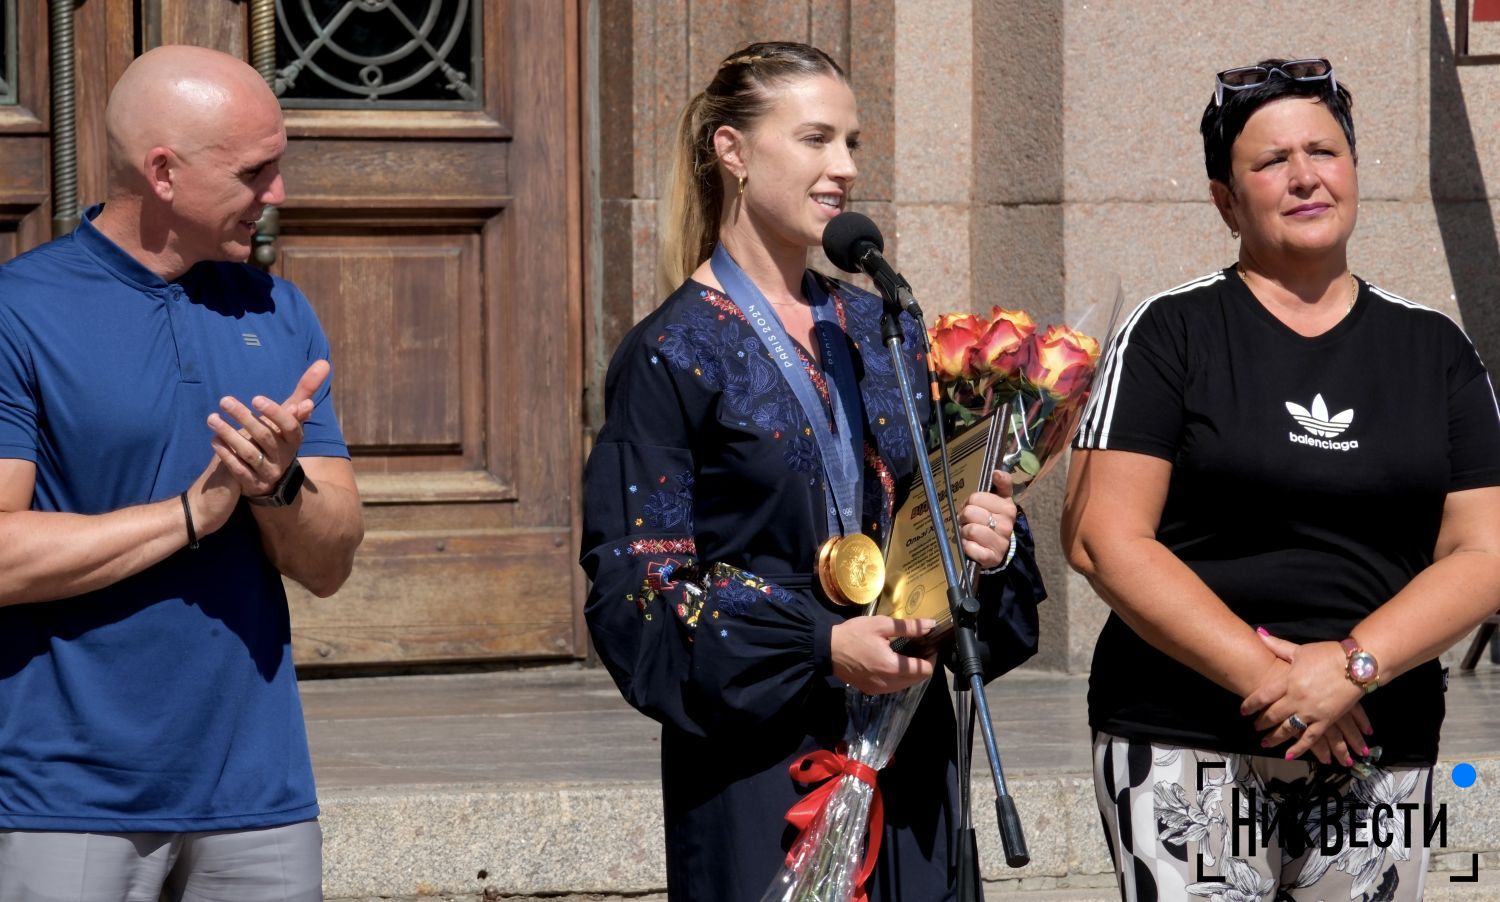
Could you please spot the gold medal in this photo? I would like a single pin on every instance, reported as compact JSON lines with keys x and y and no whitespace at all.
{"x":851,"y":569}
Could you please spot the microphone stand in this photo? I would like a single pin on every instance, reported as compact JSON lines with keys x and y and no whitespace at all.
{"x":964,"y":609}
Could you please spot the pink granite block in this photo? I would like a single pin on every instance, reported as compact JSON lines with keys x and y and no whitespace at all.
{"x":662,"y":90}
{"x":934,"y":102}
{"x":1018,"y":102}
{"x":935,"y":254}
{"x":828,"y":28}
{"x":872,"y":73}
{"x":617,"y":77}
{"x":1132,"y":126}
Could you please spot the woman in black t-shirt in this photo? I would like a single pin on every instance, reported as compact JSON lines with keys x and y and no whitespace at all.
{"x":1287,"y":488}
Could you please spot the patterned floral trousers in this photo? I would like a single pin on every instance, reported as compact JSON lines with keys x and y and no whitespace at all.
{"x":1185,"y":823}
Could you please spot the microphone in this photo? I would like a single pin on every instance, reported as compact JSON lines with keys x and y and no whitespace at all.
{"x":853,"y":243}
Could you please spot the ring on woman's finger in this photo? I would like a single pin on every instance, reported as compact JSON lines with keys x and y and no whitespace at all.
{"x":1296,"y":723}
{"x":990,"y":522}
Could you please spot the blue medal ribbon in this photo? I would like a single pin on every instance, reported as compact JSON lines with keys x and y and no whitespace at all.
{"x":841,"y":449}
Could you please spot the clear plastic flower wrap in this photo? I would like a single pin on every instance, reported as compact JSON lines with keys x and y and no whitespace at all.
{"x":831,"y":858}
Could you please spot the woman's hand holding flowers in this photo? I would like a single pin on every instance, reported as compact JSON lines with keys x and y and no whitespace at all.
{"x":1313,"y":688}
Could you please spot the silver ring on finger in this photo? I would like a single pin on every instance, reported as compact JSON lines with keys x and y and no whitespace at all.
{"x":1296,"y":723}
{"x":990,"y":523}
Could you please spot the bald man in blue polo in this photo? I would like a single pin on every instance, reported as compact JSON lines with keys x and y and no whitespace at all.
{"x":168,"y":452}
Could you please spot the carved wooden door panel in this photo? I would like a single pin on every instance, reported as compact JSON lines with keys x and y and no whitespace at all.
{"x":432,"y":218}
{"x":25,"y":145}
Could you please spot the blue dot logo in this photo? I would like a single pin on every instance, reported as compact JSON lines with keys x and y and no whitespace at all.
{"x":1464,"y":775}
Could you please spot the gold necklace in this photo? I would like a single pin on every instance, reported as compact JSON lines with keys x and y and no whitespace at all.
{"x":1353,"y":288}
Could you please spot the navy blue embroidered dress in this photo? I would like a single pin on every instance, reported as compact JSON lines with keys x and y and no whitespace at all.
{"x":706,"y":457}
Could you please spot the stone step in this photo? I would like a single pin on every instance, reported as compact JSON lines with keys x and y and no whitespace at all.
{"x":545,"y":841}
{"x":544,"y":785}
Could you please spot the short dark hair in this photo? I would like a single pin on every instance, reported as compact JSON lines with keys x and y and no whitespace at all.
{"x":1222,"y":124}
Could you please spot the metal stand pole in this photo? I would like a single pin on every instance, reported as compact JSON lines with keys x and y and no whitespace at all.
{"x":964,"y":608}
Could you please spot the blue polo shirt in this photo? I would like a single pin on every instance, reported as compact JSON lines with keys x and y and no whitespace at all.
{"x":167,"y":701}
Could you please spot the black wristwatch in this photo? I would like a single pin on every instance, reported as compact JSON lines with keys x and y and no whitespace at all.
{"x":286,"y":490}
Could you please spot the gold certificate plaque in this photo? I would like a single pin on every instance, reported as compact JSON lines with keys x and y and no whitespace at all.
{"x":915,"y":586}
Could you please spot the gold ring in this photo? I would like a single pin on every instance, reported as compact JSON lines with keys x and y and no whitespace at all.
{"x":260,"y":459}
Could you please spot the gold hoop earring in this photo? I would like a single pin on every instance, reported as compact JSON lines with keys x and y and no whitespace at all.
{"x":742,"y":186}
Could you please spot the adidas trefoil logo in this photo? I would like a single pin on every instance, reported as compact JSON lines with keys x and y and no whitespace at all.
{"x":1317,"y":421}
{"x":1323,"y":426}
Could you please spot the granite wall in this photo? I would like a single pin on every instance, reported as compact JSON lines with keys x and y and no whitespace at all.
{"x":1039,"y":153}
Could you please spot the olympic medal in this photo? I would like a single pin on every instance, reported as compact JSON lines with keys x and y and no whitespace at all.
{"x":851,"y":569}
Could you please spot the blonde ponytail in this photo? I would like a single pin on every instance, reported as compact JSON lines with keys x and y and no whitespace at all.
{"x":690,"y":224}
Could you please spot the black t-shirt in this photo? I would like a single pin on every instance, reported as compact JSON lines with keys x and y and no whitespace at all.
{"x":1307,"y":488}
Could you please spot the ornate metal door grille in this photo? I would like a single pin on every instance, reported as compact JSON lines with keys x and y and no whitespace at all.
{"x":8,"y":53}
{"x":371,"y":54}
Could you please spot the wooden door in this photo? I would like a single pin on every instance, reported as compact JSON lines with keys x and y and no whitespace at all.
{"x":25,"y":120}
{"x":432,"y":217}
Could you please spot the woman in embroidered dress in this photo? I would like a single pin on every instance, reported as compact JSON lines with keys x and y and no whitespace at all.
{"x":1288,"y":491}
{"x":747,"y":441}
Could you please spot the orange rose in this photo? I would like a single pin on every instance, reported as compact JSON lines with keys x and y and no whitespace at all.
{"x":999,"y":349}
{"x":952,"y":337}
{"x":1021,"y":318}
{"x":1061,"y":361}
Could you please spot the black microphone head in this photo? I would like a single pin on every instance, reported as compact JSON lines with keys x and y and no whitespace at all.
{"x":846,"y":237}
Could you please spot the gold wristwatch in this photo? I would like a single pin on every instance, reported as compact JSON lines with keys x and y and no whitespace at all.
{"x":1360,"y":667}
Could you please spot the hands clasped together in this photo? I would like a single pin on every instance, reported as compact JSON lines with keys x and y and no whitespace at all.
{"x":861,"y":646}
{"x":252,"y":448}
{"x":1308,"y":684}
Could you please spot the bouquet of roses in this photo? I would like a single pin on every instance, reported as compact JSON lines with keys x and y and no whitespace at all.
{"x":1036,"y":381}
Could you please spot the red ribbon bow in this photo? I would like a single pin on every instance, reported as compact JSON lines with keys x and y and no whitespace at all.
{"x":816,"y":767}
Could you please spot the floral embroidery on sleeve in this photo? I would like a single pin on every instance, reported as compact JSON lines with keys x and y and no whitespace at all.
{"x":667,"y":575}
{"x":732,"y":590}
{"x":736,"y":590}
{"x":671,"y":561}
{"x":670,"y":507}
